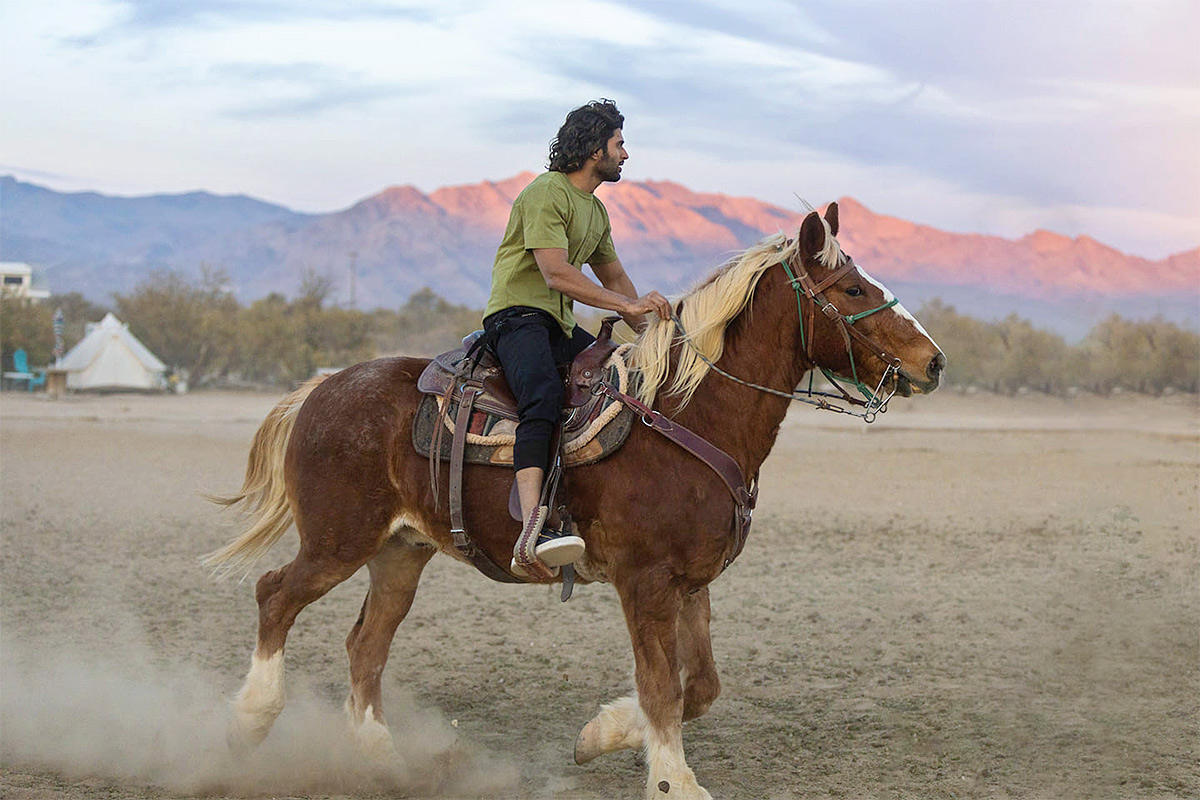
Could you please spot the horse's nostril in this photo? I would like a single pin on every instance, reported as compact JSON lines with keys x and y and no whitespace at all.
{"x":936,"y":365}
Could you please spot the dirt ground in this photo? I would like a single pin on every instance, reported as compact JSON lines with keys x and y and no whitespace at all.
{"x":974,"y":597}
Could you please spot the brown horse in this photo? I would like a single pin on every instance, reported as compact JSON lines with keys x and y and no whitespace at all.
{"x":336,"y":457}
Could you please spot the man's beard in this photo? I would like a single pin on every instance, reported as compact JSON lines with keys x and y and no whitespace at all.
{"x":610,"y":170}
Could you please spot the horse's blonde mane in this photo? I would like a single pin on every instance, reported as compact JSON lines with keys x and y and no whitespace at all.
{"x":706,"y":313}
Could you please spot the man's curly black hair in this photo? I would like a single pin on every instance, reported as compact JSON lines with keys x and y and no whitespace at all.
{"x":586,"y":130}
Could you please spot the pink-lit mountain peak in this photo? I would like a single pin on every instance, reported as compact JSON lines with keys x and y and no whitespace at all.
{"x":653,"y":220}
{"x":402,"y":239}
{"x":396,"y":200}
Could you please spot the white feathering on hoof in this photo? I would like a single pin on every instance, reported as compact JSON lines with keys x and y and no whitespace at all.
{"x":619,"y":725}
{"x":258,"y":703}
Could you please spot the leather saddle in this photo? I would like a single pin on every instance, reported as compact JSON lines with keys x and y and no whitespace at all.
{"x":472,"y":366}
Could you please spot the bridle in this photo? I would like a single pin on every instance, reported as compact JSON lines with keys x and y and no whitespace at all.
{"x":805,"y":287}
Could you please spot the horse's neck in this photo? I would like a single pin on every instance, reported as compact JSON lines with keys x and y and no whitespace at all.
{"x":759,"y":348}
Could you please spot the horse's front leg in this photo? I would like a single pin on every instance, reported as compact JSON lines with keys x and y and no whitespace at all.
{"x":652,"y":605}
{"x":621,"y":724}
{"x":697,"y":668}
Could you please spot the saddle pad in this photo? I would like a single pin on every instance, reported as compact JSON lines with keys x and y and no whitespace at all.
{"x":491,"y":438}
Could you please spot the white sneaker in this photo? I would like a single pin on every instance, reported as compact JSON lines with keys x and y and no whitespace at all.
{"x":557,"y":548}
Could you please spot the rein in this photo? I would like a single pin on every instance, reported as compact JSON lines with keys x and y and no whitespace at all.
{"x":876,"y":401}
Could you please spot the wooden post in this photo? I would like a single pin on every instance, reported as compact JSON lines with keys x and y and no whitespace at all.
{"x":56,"y":383}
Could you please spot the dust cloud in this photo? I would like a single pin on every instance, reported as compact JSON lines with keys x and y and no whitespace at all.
{"x":124,"y":715}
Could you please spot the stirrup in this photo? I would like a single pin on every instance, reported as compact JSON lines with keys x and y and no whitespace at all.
{"x":554,"y":549}
{"x":521,"y":572}
{"x":524,"y":561}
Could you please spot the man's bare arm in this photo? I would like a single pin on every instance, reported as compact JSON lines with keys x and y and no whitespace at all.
{"x":616,"y":294}
{"x":614,"y":277}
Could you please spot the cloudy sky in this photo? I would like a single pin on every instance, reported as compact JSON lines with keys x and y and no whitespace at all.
{"x":996,"y":116}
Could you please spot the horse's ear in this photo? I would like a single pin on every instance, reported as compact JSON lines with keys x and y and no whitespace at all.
{"x":812,"y":235}
{"x":831,"y":216}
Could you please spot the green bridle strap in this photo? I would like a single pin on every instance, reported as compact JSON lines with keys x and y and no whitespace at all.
{"x":853,"y":318}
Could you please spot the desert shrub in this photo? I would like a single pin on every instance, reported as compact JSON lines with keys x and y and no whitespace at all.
{"x":424,"y":326}
{"x":1011,"y":354}
{"x":190,"y":324}
{"x":29,"y":325}
{"x":1144,"y":356}
{"x":26,"y":325}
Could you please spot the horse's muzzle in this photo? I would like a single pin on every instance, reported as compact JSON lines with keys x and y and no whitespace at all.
{"x":907,"y":383}
{"x":936,"y":365}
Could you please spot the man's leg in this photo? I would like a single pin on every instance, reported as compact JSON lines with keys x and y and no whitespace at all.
{"x":529,"y":488}
{"x":526,"y":349}
{"x":531,"y":479}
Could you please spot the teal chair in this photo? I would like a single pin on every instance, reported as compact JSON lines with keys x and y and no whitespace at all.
{"x":21,"y":371}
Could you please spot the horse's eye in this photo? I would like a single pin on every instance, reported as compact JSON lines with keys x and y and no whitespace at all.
{"x":854,"y":291}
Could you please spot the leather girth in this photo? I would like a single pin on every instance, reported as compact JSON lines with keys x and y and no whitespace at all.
{"x":462,"y":540}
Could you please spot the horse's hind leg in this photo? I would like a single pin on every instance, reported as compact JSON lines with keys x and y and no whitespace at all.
{"x":281,"y":594}
{"x":395,"y":572}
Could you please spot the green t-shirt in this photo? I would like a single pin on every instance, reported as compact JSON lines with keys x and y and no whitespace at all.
{"x":550,"y":212}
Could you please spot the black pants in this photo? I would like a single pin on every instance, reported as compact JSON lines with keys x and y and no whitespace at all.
{"x":531,"y":346}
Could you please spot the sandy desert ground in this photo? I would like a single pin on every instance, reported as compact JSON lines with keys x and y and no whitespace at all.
{"x":1006,"y":606}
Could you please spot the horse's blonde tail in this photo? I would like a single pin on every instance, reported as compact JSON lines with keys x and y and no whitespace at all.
{"x":264,"y":493}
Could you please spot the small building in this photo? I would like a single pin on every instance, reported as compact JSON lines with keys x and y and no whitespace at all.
{"x":16,"y":279}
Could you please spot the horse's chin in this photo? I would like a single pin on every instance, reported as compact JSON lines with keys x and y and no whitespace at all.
{"x":906,"y":386}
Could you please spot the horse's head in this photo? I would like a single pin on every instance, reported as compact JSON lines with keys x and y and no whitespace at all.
{"x":851,"y":325}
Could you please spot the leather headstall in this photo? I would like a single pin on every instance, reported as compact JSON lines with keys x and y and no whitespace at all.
{"x":814,"y":291}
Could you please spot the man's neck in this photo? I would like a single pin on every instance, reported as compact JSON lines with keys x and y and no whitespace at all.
{"x":585,"y":180}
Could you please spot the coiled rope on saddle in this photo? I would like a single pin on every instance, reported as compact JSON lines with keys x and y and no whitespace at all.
{"x":507,"y":434}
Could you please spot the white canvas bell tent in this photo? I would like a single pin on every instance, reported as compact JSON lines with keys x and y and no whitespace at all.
{"x":110,"y":357}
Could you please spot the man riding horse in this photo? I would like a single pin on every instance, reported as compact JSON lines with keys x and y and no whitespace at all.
{"x":663,"y":516}
{"x":557,"y":225}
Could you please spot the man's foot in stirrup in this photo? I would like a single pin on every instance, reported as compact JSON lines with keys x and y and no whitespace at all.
{"x":540,"y":550}
{"x":556,"y":548}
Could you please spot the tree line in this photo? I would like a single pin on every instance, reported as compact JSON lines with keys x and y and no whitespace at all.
{"x":1010,"y":355}
{"x":200,"y":330}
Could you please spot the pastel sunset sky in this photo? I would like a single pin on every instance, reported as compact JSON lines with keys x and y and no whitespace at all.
{"x":993,"y":116}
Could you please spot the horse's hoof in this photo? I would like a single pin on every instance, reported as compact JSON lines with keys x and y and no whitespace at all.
{"x":587,"y":743}
{"x":683,"y":790}
{"x":240,"y":745}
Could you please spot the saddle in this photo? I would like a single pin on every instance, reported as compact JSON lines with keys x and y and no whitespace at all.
{"x":467,"y":386}
{"x":473,"y":366}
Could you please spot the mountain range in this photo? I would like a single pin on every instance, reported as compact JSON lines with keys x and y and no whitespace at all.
{"x":387,"y":246}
